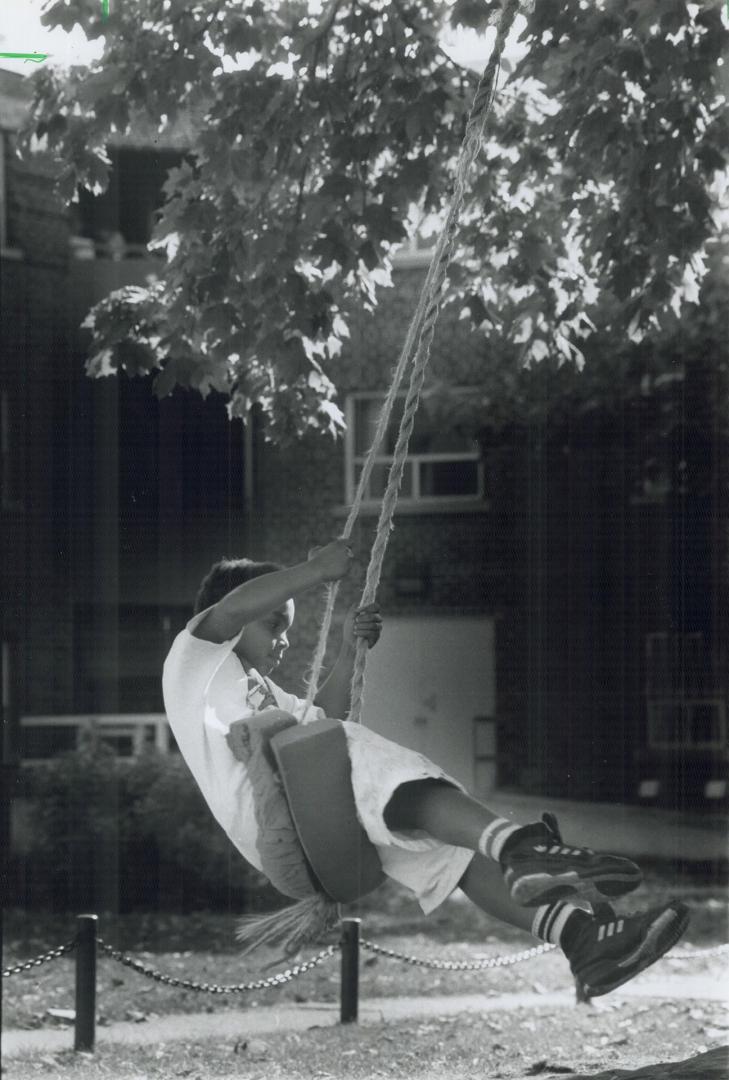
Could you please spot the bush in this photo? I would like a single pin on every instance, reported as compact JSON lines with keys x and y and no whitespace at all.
{"x":115,"y":835}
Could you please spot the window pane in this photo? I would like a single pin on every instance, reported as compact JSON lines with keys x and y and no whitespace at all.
{"x":379,"y":477}
{"x":366,"y":414}
{"x":449,"y":478}
{"x":430,"y":438}
{"x":427,"y":437}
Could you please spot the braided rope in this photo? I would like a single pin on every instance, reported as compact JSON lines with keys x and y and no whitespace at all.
{"x":421,"y":331}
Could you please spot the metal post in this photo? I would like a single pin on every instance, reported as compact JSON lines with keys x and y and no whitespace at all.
{"x":85,"y":1029}
{"x":350,"y":971}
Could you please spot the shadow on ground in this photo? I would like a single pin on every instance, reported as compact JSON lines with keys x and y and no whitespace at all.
{"x":712,"y":1065}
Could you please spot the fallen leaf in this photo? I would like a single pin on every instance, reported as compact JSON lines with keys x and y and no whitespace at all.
{"x":62,"y":1014}
{"x":257,"y":1047}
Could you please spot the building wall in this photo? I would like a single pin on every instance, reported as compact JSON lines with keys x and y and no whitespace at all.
{"x":35,"y":359}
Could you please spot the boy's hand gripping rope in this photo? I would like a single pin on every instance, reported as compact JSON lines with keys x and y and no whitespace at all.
{"x":416,"y":350}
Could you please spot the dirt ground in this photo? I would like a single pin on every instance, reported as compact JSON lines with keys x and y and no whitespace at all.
{"x":606,"y":1039}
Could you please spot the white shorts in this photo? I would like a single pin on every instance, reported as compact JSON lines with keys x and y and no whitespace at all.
{"x":427,"y":867}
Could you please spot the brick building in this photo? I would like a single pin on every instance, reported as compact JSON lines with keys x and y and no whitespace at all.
{"x":533,"y":628}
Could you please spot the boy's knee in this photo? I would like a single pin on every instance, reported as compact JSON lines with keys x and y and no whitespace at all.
{"x":410,"y":802}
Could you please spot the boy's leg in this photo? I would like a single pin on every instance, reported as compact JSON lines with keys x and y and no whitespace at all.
{"x":604,"y":950}
{"x":484,"y":885}
{"x":538,"y":868}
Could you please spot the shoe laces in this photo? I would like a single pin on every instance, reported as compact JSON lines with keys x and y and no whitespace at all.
{"x":553,"y":828}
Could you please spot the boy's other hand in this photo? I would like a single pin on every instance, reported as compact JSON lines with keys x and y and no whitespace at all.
{"x":364,"y":623}
{"x":333,"y":560}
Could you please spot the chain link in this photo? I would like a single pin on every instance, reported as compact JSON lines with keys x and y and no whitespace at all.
{"x":717,"y":950}
{"x":459,"y":965}
{"x":212,"y":988}
{"x":42,"y":959}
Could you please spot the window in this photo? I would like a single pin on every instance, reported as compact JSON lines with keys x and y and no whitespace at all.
{"x":118,"y":224}
{"x":698,"y":724}
{"x":443,"y":465}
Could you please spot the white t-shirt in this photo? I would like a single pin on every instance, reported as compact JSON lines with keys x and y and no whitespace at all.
{"x":205,"y":690}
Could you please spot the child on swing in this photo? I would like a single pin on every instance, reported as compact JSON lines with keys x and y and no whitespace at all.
{"x":430,"y":834}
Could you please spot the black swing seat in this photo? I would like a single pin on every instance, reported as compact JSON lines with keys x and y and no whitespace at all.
{"x":314,"y":766}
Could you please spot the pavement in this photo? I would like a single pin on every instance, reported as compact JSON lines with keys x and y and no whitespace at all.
{"x":638,"y":832}
{"x":263,"y":1021}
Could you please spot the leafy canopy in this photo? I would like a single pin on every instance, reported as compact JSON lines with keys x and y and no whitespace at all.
{"x":315,"y":132}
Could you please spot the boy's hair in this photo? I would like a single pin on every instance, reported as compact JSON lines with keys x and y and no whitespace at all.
{"x":227,"y":574}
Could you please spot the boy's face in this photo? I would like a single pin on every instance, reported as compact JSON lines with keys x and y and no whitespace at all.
{"x":263,"y":642}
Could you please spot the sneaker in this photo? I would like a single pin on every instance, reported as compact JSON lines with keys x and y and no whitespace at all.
{"x":608,"y":949}
{"x":540,"y":868}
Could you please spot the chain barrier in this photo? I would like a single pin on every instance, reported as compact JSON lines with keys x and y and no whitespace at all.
{"x":716,"y":950}
{"x":458,"y":965}
{"x":53,"y":954}
{"x":511,"y":958}
{"x":278,"y":979}
{"x":282,"y":977}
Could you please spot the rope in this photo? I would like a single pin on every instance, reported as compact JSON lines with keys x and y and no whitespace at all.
{"x":416,"y":349}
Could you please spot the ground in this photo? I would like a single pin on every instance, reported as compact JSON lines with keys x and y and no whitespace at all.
{"x":611,"y":1034}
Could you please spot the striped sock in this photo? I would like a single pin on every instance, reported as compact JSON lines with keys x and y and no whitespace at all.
{"x":492,"y":839}
{"x":550,"y":921}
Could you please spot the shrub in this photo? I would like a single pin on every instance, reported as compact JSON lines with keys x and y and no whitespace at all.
{"x":110,"y":834}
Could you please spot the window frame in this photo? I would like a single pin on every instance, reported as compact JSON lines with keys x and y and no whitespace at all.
{"x":436,"y":503}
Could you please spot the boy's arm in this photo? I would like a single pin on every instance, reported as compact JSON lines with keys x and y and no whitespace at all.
{"x":262,"y":594}
{"x":334,"y":694}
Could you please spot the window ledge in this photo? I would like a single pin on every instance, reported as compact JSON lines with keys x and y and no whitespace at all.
{"x":16,"y":254}
{"x":407,"y":507}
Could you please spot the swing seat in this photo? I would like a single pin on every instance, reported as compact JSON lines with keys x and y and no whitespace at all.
{"x":314,"y":766}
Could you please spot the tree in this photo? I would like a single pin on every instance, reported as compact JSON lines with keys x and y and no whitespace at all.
{"x":587,"y":221}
